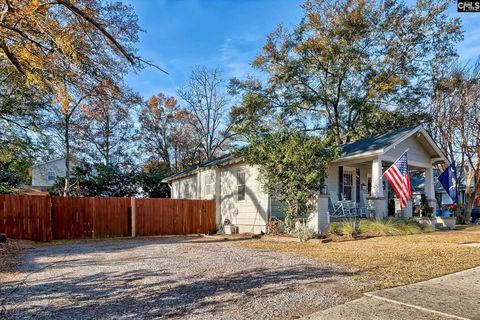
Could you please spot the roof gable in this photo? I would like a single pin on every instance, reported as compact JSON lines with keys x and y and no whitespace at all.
{"x":384,"y":142}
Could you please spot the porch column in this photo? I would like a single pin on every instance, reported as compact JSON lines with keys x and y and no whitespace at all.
{"x":377,"y":196}
{"x":430,"y":188}
{"x":319,"y":218}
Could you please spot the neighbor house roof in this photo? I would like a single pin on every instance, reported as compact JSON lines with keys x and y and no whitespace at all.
{"x":48,"y":161}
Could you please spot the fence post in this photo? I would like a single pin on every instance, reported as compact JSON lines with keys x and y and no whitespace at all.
{"x":133,"y":210}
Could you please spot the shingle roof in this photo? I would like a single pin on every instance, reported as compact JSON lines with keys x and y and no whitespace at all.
{"x":374,"y":143}
{"x":213,"y":162}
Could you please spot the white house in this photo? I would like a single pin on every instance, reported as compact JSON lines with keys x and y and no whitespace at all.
{"x":44,"y":174}
{"x":356,"y":175}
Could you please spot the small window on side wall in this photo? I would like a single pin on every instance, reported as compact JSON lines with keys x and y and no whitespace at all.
{"x":51,"y":175}
{"x":240,"y":185}
{"x":209,"y":185}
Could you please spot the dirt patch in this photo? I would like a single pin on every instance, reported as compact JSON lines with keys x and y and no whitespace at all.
{"x":177,"y":277}
{"x":9,"y":260}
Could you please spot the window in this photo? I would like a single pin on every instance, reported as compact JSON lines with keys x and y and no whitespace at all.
{"x":186,"y":191}
{"x":209,"y":185}
{"x":240,"y":185}
{"x":51,"y":175}
{"x":347,"y":185}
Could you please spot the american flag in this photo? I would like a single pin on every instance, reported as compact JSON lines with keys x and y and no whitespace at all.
{"x":399,"y":178}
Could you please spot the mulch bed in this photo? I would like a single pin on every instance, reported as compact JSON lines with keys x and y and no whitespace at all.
{"x":9,"y":257}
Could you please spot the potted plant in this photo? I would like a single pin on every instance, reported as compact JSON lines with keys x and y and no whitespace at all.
{"x":451,"y":209}
{"x":429,"y":211}
{"x":423,"y":206}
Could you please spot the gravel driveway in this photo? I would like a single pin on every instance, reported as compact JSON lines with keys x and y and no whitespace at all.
{"x":177,"y":277}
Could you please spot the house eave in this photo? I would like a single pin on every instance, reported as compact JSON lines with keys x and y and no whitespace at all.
{"x":200,"y":168}
{"x":363,"y":155}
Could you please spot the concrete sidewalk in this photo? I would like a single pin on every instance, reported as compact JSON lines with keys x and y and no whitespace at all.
{"x":454,"y":296}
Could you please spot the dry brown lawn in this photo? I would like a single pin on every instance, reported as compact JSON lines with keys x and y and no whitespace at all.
{"x":392,"y":261}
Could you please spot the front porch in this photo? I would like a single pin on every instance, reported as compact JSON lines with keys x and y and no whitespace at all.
{"x":362,"y":189}
{"x":356,"y":179}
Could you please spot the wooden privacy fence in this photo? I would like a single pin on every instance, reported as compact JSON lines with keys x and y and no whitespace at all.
{"x":26,"y":217}
{"x":90,"y":218}
{"x":43,"y":218}
{"x":174,"y":216}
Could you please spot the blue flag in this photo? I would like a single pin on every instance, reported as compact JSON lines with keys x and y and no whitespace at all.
{"x":448,"y":179}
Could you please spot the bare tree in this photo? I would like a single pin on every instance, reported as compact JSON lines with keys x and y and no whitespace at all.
{"x":207,"y":101}
{"x":108,"y":132}
{"x":456,"y":114}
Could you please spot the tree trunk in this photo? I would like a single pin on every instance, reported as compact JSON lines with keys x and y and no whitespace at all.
{"x":66,"y":189}
{"x":467,"y":212}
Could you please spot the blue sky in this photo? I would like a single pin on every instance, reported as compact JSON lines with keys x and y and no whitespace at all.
{"x":181,"y":34}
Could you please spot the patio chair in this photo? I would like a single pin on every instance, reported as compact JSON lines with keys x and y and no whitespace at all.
{"x":337,"y":209}
{"x":350,"y":208}
{"x":368,"y":210}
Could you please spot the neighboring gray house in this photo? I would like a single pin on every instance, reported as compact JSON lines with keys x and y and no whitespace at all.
{"x":44,"y":174}
{"x":444,"y":198}
{"x":356,"y":175}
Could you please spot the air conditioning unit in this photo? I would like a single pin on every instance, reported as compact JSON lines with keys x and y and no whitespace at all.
{"x":231,"y":229}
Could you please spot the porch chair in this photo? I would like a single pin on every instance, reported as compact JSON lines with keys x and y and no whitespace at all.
{"x":350,"y":208}
{"x":337,"y":206}
{"x":367,"y":210}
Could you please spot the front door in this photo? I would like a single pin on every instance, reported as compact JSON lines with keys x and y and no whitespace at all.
{"x":391,"y":200}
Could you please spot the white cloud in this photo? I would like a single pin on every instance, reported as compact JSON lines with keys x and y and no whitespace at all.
{"x":236,"y":54}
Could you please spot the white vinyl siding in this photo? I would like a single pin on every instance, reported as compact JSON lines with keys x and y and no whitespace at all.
{"x":415,"y":151}
{"x":44,"y":175}
{"x":185,"y":188}
{"x":251,"y":214}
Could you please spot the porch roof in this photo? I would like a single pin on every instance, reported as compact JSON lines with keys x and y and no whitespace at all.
{"x":374,"y":143}
{"x":382,"y":143}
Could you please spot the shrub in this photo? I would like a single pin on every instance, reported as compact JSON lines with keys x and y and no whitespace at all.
{"x":386,"y":227}
{"x":334,"y":228}
{"x":348,"y":227}
{"x":427,"y":229}
{"x":304,"y":232}
{"x":409,"y":227}
{"x":275,"y":226}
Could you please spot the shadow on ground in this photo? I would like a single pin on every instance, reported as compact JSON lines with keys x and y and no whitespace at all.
{"x":172,"y":277}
